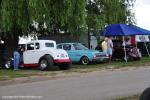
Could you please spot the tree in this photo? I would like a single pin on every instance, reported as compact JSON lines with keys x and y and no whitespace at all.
{"x":104,"y":12}
{"x":64,"y":15}
{"x":70,"y":16}
{"x":76,"y":22}
{"x":14,"y":17}
{"x":14,"y":21}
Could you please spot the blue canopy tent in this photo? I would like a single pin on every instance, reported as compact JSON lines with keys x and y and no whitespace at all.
{"x":121,"y":30}
{"x":144,"y":31}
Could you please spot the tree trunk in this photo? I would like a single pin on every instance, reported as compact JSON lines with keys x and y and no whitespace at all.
{"x":2,"y":48}
{"x":10,"y":45}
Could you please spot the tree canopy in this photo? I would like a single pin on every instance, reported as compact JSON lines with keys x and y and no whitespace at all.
{"x":70,"y":16}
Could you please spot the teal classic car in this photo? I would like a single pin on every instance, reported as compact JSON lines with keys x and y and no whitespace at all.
{"x":78,"y":53}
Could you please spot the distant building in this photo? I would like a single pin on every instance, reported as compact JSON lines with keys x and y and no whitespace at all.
{"x":62,"y":38}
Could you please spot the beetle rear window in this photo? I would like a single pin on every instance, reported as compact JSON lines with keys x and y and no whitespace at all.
{"x":49,"y":44}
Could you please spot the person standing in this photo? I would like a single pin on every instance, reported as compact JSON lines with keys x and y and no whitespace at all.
{"x":16,"y":56}
{"x":110,"y":48}
{"x":105,"y":45}
{"x":22,"y":49}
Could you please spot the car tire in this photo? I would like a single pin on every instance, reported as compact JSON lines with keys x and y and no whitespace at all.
{"x":65,"y":66}
{"x":84,"y":60}
{"x":8,"y":64}
{"x":145,"y":95}
{"x":46,"y":62}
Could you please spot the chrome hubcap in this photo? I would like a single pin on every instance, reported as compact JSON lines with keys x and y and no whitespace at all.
{"x":43,"y":64}
{"x":84,"y":61}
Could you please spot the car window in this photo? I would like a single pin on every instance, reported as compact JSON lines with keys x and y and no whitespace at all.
{"x":67,"y":46}
{"x":59,"y":46}
{"x":49,"y":44}
{"x":37,"y":46}
{"x":79,"y":46}
{"x":30,"y":46}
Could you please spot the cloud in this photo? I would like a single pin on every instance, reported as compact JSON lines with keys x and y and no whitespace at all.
{"x":145,"y":2}
{"x":142,"y":13}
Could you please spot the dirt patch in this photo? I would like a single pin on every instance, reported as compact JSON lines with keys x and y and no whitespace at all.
{"x":38,"y":78}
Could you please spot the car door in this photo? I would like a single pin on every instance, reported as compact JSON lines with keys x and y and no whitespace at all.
{"x":37,"y":53}
{"x":28,"y":55}
{"x":74,"y":55}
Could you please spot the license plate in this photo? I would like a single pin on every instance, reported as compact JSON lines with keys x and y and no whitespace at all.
{"x":62,"y":55}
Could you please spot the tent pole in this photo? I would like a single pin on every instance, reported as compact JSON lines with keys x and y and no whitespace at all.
{"x":136,"y":43}
{"x":146,"y":48}
{"x":125,"y":53}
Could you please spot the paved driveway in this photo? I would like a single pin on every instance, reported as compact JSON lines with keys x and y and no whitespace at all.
{"x":93,"y":86}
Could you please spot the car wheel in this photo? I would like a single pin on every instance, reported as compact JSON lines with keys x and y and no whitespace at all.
{"x":46,"y":62}
{"x":84,"y":60}
{"x":145,"y":95}
{"x":8,"y":64}
{"x":65,"y":66}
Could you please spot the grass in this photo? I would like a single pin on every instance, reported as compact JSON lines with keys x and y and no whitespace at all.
{"x":145,"y":61}
{"x":6,"y":74}
{"x":133,"y":97}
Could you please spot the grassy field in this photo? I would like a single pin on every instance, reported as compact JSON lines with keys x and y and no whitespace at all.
{"x":134,"y":97}
{"x":6,"y":74}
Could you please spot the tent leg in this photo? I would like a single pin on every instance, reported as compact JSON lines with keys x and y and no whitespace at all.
{"x":146,"y":48}
{"x":125,"y":53}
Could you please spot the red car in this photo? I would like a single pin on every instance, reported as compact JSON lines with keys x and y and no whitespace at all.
{"x":132,"y":52}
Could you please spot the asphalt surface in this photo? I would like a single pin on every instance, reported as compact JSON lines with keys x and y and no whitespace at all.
{"x":92,"y":86}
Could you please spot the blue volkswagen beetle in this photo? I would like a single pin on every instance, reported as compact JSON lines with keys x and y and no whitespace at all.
{"x":78,"y":53}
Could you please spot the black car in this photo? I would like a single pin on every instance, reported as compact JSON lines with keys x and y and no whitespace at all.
{"x":142,"y":47}
{"x":132,"y":52}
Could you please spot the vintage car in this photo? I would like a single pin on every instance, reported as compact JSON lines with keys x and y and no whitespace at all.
{"x":43,"y":54}
{"x":79,"y":53}
{"x":133,"y":53}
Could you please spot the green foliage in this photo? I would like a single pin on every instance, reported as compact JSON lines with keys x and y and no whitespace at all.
{"x":76,"y":22}
{"x":104,"y":12}
{"x":64,"y":15}
{"x":14,"y":16}
{"x":70,"y":16}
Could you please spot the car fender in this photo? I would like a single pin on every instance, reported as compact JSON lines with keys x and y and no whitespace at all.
{"x":46,"y":55}
{"x":90,"y":58}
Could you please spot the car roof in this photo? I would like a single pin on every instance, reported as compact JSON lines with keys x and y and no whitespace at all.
{"x":69,"y":43}
{"x":43,"y":41}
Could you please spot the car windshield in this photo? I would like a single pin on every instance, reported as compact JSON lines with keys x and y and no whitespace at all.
{"x":79,"y":46}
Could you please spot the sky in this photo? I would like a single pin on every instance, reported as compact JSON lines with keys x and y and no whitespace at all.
{"x":142,"y":13}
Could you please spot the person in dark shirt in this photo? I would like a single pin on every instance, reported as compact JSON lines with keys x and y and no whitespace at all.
{"x":21,"y":50}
